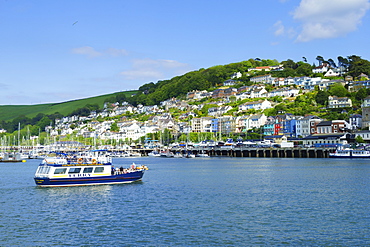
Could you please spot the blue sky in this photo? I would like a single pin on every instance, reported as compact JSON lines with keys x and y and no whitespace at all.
{"x":61,"y":50}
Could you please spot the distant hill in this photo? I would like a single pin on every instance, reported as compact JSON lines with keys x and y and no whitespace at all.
{"x":9,"y":112}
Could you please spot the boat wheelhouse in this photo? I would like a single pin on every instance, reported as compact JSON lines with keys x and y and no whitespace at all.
{"x":63,"y":171}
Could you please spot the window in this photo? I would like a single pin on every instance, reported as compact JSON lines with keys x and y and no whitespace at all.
{"x":60,"y":171}
{"x":74,"y":170}
{"x":43,"y":170}
{"x":99,"y":170}
{"x":335,"y":126}
{"x":88,"y":170}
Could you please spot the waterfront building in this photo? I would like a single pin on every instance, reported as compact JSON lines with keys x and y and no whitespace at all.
{"x":328,"y":127}
{"x":304,"y":126}
{"x":365,"y":134}
{"x":203,"y":124}
{"x":332,"y":138}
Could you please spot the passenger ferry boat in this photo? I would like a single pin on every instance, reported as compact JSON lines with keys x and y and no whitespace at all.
{"x":350,"y":153}
{"x":67,"y":171}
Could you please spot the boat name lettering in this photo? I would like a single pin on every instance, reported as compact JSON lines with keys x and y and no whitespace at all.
{"x":79,"y":175}
{"x":81,"y":164}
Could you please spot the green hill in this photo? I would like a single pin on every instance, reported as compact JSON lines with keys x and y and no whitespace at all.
{"x":9,"y":112}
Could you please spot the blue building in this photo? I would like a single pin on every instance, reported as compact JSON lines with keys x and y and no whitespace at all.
{"x":289,"y":127}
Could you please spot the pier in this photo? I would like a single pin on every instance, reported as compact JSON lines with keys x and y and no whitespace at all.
{"x":256,"y":152}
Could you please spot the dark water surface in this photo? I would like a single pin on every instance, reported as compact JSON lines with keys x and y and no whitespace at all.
{"x":195,"y":202}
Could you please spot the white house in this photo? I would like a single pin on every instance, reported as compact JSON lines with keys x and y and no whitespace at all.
{"x":257,"y":105}
{"x":236,"y":75}
{"x":245,"y":123}
{"x":331,"y":72}
{"x":258,"y":93}
{"x":323,"y":68}
{"x":284,"y":92}
{"x":218,"y":111}
{"x":339,"y":102}
{"x":262,"y":78}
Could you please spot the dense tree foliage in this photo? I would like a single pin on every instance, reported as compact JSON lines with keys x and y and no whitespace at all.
{"x":40,"y":121}
{"x":338,"y":90}
{"x":85,"y":111}
{"x":322,"y":97}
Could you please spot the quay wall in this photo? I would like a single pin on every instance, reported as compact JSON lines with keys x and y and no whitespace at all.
{"x":257,"y":152}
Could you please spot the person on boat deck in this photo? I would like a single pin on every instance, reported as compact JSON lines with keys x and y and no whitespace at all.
{"x":121,"y":169}
{"x":113,"y":170}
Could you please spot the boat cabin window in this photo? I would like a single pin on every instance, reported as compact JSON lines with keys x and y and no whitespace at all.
{"x":60,"y":171}
{"x":43,"y":170}
{"x":74,"y":170}
{"x":88,"y":170}
{"x":99,"y":169}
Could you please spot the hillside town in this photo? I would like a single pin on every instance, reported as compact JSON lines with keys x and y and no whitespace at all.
{"x":306,"y":130}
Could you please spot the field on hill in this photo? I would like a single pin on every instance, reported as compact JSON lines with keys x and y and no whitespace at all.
{"x":9,"y":112}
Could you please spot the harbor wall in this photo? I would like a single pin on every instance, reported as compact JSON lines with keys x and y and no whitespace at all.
{"x":257,"y":152}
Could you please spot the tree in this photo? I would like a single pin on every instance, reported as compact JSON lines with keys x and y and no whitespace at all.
{"x":114,"y":127}
{"x":120,"y":98}
{"x":359,"y":139}
{"x":45,"y":121}
{"x":357,"y":65}
{"x":338,"y":89}
{"x":322,"y":97}
{"x":289,"y":64}
{"x":304,"y":69}
{"x":332,"y":63}
{"x":320,"y":59}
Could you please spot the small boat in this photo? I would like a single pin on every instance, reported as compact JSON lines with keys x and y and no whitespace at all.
{"x":178,"y":155}
{"x":166,"y":154}
{"x":11,"y":157}
{"x":350,"y":153}
{"x":154,"y":154}
{"x":202,"y":155}
{"x":63,"y":171}
{"x":189,"y":154}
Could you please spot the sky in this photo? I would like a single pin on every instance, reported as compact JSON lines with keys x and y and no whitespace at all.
{"x":62,"y":50}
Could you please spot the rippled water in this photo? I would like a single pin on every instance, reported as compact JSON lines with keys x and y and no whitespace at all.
{"x":195,"y":202}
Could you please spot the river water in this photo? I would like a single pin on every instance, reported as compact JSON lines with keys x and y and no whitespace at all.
{"x":195,"y":202}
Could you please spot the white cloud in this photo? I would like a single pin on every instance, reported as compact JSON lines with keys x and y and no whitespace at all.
{"x":86,"y":50}
{"x":279,"y":28}
{"x":116,"y":52}
{"x":329,"y":18}
{"x":91,"y":52}
{"x":151,"y":69}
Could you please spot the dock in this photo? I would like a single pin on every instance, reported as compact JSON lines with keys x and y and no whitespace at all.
{"x":296,"y":152}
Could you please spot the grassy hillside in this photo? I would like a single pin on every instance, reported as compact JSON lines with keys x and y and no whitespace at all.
{"x":9,"y":112}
